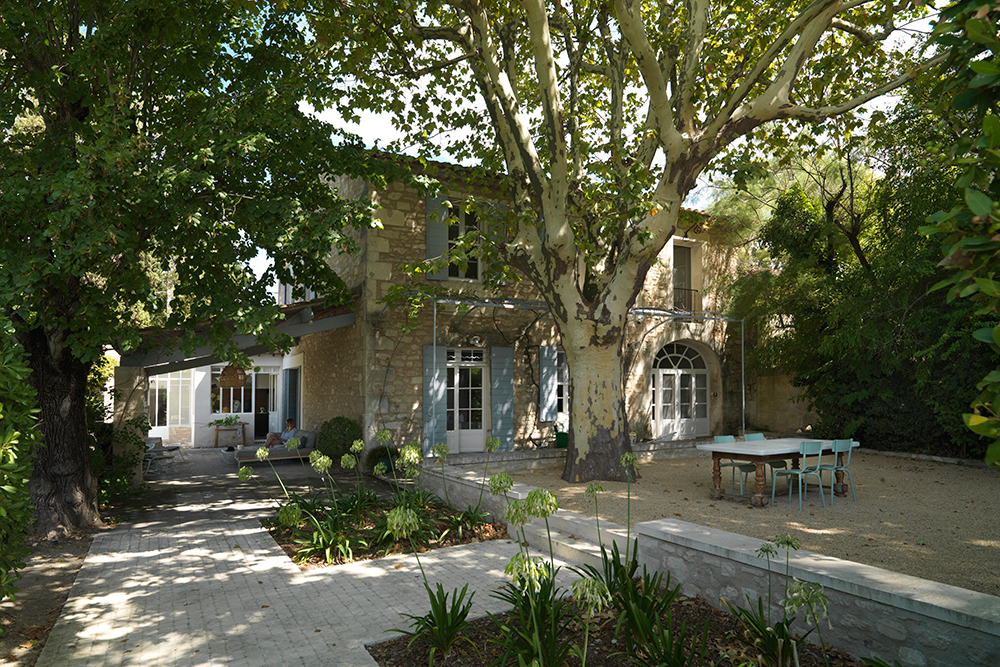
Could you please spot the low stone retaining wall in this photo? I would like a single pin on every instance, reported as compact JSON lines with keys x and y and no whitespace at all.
{"x":873,"y":612}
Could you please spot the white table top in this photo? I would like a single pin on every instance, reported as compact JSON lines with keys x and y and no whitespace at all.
{"x":775,"y":447}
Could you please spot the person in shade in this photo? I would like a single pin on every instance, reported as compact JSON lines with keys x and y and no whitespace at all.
{"x":283,"y":437}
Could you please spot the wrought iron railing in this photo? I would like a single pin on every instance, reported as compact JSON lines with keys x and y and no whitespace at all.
{"x":685,"y":300}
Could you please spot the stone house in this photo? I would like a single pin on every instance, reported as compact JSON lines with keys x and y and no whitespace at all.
{"x":480,"y":363}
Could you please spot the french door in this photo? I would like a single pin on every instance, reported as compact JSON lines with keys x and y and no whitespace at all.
{"x":467,"y":401}
{"x":680,"y":396}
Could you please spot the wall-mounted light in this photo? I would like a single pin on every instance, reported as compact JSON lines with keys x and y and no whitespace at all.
{"x":475,"y":341}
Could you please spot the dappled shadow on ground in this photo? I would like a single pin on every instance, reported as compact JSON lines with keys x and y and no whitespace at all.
{"x":931,"y":520}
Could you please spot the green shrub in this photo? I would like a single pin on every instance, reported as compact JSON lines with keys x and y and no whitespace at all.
{"x":18,"y":439}
{"x":336,"y":436}
{"x":386,"y":453}
{"x":115,"y":473}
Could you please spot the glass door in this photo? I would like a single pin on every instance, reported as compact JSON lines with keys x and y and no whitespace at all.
{"x":467,"y":399}
{"x":680,"y":399}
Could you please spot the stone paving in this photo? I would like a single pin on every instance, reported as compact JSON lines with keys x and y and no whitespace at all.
{"x":193,"y":579}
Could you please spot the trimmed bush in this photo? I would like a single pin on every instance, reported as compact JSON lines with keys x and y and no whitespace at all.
{"x":386,"y":453}
{"x":18,"y":439}
{"x":336,"y":436}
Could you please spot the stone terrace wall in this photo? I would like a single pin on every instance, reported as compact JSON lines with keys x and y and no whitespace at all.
{"x":873,"y":612}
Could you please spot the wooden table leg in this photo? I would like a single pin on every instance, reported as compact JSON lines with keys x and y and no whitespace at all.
{"x":716,"y":478}
{"x":838,"y":487}
{"x":759,"y":499}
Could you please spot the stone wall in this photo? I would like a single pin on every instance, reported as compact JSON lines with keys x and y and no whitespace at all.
{"x":773,"y":405}
{"x":332,"y":376}
{"x":872,"y":612}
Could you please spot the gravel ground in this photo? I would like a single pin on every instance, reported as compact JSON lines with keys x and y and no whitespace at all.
{"x":936,"y":521}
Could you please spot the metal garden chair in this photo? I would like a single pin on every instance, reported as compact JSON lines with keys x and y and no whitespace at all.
{"x":806,"y":449}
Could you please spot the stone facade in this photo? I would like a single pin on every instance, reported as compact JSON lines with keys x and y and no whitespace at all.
{"x":374,"y":371}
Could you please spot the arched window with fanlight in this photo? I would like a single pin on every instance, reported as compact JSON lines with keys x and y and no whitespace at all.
{"x":680,"y":396}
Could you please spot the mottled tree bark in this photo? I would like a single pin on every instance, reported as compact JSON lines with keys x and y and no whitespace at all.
{"x":63,"y":487}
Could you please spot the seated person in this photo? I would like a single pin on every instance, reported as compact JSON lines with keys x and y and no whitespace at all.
{"x":283,"y":437}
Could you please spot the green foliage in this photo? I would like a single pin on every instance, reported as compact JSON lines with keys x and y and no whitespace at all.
{"x":149,"y":149}
{"x":839,"y":296}
{"x":228,"y":420}
{"x":329,"y":537}
{"x":662,"y":646}
{"x":102,"y":370}
{"x":770,"y":644}
{"x":18,"y":438}
{"x":386,"y":453}
{"x":539,"y":615}
{"x":115,"y":474}
{"x":968,"y":93}
{"x":442,"y":626}
{"x":336,"y":436}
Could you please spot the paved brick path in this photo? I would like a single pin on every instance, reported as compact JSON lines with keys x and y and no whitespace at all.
{"x":199,"y":582}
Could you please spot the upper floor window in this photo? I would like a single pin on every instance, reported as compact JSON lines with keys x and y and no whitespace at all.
{"x":285,"y":297}
{"x":685,"y":295}
{"x":446,"y":224}
{"x":464,"y":222}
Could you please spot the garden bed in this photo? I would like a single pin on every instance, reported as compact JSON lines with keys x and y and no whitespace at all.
{"x":723,"y":631}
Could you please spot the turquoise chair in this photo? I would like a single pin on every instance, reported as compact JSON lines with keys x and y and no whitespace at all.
{"x":806,"y":449}
{"x":744,"y":468}
{"x":845,"y":447}
{"x":750,"y":437}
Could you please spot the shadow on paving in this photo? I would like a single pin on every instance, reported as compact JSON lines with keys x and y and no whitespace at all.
{"x":197,"y":485}
{"x":193,"y":579}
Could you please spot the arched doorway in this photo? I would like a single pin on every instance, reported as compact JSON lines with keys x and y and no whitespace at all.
{"x":680,"y":407}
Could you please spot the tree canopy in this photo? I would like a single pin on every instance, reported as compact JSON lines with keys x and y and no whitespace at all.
{"x":603,"y":115}
{"x":143,"y":137}
{"x":840,"y":298}
{"x":970,"y":231}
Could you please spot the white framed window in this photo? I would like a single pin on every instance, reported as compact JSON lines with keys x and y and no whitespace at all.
{"x":466,"y":222}
{"x":467,"y":396}
{"x":169,"y":399}
{"x":227,"y":400}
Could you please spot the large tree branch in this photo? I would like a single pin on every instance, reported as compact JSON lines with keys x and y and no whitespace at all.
{"x":697,"y":28}
{"x":500,"y":97}
{"x":548,"y":88}
{"x":630,"y":19}
{"x":817,"y":114}
{"x":730,"y":111}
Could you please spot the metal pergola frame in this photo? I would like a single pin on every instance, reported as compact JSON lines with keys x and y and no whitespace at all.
{"x":540,"y":306}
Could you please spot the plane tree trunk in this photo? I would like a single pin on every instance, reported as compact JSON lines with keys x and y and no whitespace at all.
{"x":598,"y":426}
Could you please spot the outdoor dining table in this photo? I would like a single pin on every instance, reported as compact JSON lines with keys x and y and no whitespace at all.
{"x":761,"y":452}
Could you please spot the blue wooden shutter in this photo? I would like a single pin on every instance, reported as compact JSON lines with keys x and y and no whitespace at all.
{"x":435,"y":396}
{"x":548,"y":362}
{"x":436,"y":233}
{"x":290,"y":397}
{"x":502,"y":396}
